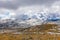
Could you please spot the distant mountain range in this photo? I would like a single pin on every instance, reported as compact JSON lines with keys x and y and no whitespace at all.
{"x":41,"y":16}
{"x":24,"y":20}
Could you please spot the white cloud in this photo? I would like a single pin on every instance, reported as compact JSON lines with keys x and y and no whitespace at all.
{"x":55,"y":8}
{"x":38,"y":10}
{"x":34,"y":10}
{"x":6,"y":14}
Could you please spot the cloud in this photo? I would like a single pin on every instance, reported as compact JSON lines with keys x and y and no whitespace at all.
{"x":14,"y":4}
{"x":55,"y":7}
{"x":24,"y":9}
{"x":33,"y":10}
{"x":38,"y":9}
{"x":6,"y":14}
{"x":30,"y":7}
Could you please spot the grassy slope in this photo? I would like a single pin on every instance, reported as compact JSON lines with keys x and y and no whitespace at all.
{"x":34,"y":36}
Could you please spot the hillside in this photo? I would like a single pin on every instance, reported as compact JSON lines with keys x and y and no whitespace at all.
{"x":38,"y":32}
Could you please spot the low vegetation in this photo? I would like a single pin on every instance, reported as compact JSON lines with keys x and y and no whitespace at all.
{"x":38,"y":32}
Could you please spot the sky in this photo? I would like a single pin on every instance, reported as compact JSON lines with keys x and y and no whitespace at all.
{"x":15,"y":8}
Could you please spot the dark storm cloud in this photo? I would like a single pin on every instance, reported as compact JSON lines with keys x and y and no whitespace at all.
{"x":17,"y":3}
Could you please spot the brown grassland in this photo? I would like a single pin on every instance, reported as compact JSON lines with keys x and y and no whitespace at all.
{"x":29,"y":37}
{"x":34,"y":34}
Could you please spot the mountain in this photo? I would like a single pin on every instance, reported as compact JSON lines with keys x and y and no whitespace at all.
{"x":53,"y":17}
{"x":22,"y":17}
{"x":41,"y":28}
{"x":9,"y":23}
{"x":27,"y":20}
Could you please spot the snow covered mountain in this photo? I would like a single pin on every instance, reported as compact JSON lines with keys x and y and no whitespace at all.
{"x":53,"y":17}
{"x":25,"y":19}
{"x":40,"y":16}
